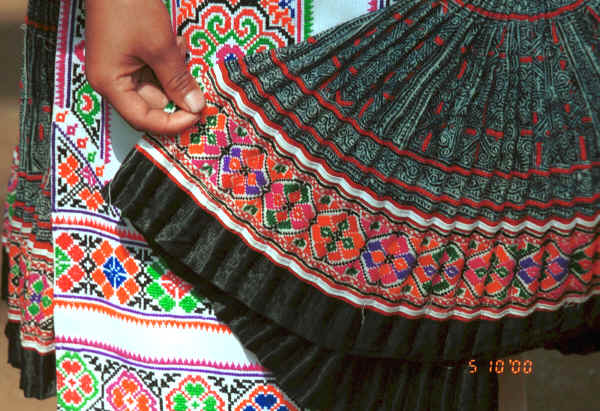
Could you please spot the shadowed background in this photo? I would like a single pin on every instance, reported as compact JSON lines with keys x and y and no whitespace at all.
{"x":558,"y":383}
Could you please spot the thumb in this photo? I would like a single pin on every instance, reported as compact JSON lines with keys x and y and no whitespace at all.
{"x":177,"y":82}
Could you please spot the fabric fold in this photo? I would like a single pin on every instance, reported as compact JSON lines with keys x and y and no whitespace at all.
{"x":390,"y":200}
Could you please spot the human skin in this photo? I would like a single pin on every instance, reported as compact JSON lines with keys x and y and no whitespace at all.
{"x":135,"y":60}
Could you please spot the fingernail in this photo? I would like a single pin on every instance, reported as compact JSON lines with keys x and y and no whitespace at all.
{"x":195,"y":101}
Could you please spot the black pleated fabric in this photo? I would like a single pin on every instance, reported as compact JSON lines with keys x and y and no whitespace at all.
{"x":327,"y":354}
{"x":38,"y":372}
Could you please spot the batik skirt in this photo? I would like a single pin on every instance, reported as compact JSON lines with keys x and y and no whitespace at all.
{"x":27,"y":274}
{"x":385,"y":205}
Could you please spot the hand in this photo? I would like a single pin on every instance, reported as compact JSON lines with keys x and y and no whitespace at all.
{"x":131,"y":51}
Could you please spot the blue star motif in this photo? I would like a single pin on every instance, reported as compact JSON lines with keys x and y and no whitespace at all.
{"x":114,"y":271}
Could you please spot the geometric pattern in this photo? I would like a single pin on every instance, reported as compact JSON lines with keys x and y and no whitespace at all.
{"x":76,"y":384}
{"x":101,"y":262}
{"x":194,"y":393}
{"x":265,"y":398}
{"x":126,"y":392}
{"x":395,"y":260}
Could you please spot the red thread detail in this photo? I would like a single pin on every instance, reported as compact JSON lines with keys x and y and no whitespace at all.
{"x":311,"y":40}
{"x":389,"y":76}
{"x":438,"y":109}
{"x":408,"y":21}
{"x":494,"y":133}
{"x":586,"y":119}
{"x":47,"y":109}
{"x":39,"y":26}
{"x":427,"y":140}
{"x":535,"y":117}
{"x":365,"y":107}
{"x":397,"y":16}
{"x":371,"y":32}
{"x":441,"y":166}
{"x":419,"y":45}
{"x":463,"y":49}
{"x":526,"y":59}
{"x":568,"y":108}
{"x":463,"y":67}
{"x":563,"y":64}
{"x":343,"y":103}
{"x":353,"y":70}
{"x":520,"y":17}
{"x":357,"y":42}
{"x":526,"y":132}
{"x":540,"y":58}
{"x":502,"y":38}
{"x":336,"y":62}
{"x":470,"y":131}
{"x":538,"y":154}
{"x":582,"y":148}
{"x":554,"y":34}
{"x":594,"y":14}
{"x":439,"y":41}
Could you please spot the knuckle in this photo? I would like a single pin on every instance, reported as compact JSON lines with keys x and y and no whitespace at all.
{"x":179,"y":81}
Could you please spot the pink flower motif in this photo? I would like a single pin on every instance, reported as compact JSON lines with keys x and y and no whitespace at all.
{"x":228,"y":52}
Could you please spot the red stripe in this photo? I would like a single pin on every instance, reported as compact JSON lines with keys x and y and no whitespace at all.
{"x":463,"y":67}
{"x":494,"y":133}
{"x":502,"y":38}
{"x":526,"y":132}
{"x":340,"y":101}
{"x":336,"y":62}
{"x":391,"y":146}
{"x":563,"y":64}
{"x":365,"y":107}
{"x":370,"y":170}
{"x":526,"y":59}
{"x":520,"y":17}
{"x":40,"y":26}
{"x":410,"y":208}
{"x":426,"y":142}
{"x":554,"y":34}
{"x":438,"y":109}
{"x":389,"y":76}
{"x":538,"y":153}
{"x":586,"y":119}
{"x":582,"y":148}
{"x":594,"y":14}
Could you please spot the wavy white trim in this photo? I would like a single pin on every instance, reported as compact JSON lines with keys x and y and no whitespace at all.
{"x":176,"y":175}
{"x":372,"y":203}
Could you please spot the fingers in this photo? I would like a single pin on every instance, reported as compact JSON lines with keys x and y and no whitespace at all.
{"x":143,"y":108}
{"x":174,"y":77}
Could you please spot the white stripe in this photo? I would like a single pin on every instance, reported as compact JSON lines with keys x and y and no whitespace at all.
{"x":318,"y":282}
{"x":162,"y":341}
{"x":370,"y":202}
